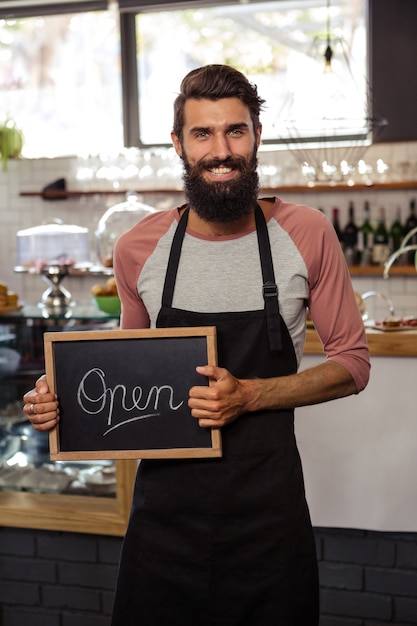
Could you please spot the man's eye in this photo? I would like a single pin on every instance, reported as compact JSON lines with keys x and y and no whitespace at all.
{"x":236,"y":132}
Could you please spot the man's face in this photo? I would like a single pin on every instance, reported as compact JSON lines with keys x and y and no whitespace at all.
{"x":219,"y":149}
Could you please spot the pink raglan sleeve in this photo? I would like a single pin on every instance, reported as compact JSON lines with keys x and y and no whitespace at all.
{"x":132,"y":250}
{"x":126,"y":271}
{"x":332,"y":302}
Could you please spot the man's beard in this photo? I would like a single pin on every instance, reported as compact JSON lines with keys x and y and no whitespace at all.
{"x":223,"y":201}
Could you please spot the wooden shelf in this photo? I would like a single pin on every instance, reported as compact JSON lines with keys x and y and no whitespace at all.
{"x":59,"y":194}
{"x":331,"y":188}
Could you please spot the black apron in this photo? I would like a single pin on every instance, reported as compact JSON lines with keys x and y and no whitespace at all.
{"x":225,"y":542}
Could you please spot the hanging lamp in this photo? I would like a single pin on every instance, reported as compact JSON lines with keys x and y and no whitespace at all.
{"x":327,"y":122}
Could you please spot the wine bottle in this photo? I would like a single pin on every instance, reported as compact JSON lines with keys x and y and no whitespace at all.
{"x":336,"y":224}
{"x":350,"y":237}
{"x":396,"y":234}
{"x":410,"y":224}
{"x":365,"y":237}
{"x":380,"y":248}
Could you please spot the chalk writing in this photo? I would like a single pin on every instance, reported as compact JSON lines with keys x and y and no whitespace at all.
{"x":95,"y":397}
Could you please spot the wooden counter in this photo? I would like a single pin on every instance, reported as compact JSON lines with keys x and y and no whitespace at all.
{"x":109,"y":516}
{"x":381,"y":343}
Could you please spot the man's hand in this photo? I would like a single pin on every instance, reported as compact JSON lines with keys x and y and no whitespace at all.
{"x":220,"y":403}
{"x":41,"y":406}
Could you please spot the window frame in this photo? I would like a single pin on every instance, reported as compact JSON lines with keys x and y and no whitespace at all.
{"x":16,"y":9}
{"x":130,"y":83}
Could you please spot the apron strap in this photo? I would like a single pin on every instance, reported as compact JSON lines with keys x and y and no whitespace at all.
{"x":174,"y":255}
{"x":270,"y":288}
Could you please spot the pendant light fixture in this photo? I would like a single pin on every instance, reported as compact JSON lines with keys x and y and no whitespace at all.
{"x":327,"y":122}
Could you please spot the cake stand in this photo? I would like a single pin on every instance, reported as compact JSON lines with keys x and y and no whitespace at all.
{"x":56,"y":299}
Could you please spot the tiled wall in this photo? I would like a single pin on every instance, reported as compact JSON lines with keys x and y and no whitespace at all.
{"x":18,"y":212}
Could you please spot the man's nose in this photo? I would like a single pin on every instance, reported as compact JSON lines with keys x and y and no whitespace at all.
{"x":220,"y":147}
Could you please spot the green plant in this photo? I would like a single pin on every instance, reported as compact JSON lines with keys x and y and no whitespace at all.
{"x":11,"y":142}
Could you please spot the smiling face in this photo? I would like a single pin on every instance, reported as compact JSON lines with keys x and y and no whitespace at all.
{"x":219,"y":148}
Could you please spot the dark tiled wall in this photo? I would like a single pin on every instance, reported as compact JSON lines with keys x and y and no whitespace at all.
{"x":65,"y":579}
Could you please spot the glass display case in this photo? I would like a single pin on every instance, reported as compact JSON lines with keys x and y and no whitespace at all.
{"x":88,"y":496}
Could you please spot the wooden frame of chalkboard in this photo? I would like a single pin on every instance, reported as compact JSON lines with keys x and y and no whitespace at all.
{"x":123,"y":394}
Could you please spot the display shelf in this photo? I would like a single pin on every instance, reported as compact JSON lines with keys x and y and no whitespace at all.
{"x":73,"y":270}
{"x":57,"y":194}
{"x":71,"y":509}
{"x":80,"y":514}
{"x":343,"y":187}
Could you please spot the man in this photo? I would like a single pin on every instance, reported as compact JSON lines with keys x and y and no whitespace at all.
{"x":229,"y":541}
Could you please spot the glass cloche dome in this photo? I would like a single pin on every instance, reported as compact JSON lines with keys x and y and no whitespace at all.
{"x":116,"y":221}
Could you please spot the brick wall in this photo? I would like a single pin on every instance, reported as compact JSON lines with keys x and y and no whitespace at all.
{"x":367,"y":578}
{"x":65,"y":579}
{"x":56,"y":579}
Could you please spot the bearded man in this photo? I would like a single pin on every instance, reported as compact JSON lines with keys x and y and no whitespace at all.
{"x":228,"y":541}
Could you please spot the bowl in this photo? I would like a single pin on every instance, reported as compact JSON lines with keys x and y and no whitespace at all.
{"x":108,"y":304}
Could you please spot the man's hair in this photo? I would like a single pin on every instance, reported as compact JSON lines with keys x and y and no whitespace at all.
{"x":213,"y":82}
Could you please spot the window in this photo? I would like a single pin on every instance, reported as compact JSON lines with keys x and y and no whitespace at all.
{"x":89,"y":81}
{"x":280,"y":47}
{"x":60,"y":81}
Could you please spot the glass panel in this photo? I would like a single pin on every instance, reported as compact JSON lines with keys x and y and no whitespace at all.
{"x":60,"y":81}
{"x":24,"y":453}
{"x":271,"y":42}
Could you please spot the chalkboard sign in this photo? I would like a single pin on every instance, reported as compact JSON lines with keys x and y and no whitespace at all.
{"x":123,"y":394}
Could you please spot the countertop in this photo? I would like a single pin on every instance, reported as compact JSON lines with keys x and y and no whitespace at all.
{"x":401,"y":342}
{"x":381,"y":343}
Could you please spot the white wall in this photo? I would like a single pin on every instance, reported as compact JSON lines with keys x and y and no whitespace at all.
{"x":359,"y":453}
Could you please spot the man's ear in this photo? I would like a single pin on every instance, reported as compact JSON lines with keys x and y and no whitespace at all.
{"x":177,"y":144}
